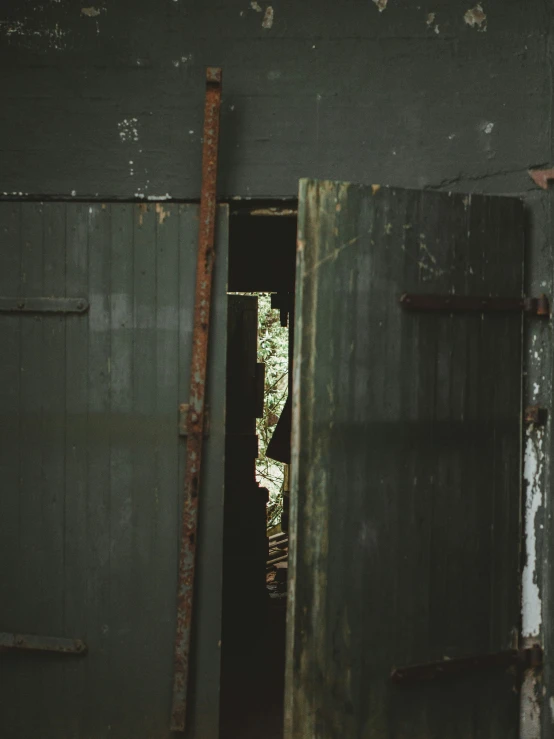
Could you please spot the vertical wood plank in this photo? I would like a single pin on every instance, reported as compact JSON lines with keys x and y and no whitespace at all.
{"x":33,"y":677}
{"x":52,"y":511}
{"x":96,"y":553}
{"x":10,"y":444}
{"x":76,"y":462}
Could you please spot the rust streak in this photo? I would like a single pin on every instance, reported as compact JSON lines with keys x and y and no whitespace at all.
{"x":204,"y":272}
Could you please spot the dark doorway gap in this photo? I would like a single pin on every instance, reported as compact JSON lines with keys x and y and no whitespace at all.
{"x":262,"y":256}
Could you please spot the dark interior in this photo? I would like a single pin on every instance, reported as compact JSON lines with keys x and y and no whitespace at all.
{"x":261,"y":259}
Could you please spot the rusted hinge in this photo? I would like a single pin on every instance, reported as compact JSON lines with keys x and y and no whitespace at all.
{"x":522,"y":659}
{"x":473,"y":304}
{"x":187,"y":420}
{"x":535,"y":415}
{"x":32,"y":643}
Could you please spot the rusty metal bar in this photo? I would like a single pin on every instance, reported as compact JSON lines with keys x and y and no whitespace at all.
{"x":472,"y":304}
{"x":195,"y":426}
{"x":32,"y":643}
{"x":522,"y":659}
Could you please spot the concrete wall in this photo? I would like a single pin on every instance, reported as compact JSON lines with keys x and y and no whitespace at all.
{"x":105,"y":101}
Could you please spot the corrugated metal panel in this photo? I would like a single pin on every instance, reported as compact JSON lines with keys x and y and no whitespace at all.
{"x":92,"y":467}
{"x":406,"y":464}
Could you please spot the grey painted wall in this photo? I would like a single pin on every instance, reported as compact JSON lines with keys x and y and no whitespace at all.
{"x":103,"y":99}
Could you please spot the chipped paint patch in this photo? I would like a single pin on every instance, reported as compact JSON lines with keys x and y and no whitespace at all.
{"x":167,"y":196}
{"x":128,"y":129}
{"x":91,"y":12}
{"x":431,"y":17}
{"x":143,"y":208}
{"x":534,"y":500}
{"x":162,"y":213}
{"x":256,"y":6}
{"x":487,"y":127}
{"x":476,"y":18}
{"x":381,"y":4}
{"x":375,"y":188}
{"x":530,"y":710}
{"x":268,"y":17}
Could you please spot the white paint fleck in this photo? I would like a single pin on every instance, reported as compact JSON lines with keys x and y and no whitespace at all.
{"x":437,"y":29}
{"x":536,"y":389}
{"x":487,"y":127}
{"x":534,"y":499}
{"x":167,"y":196}
{"x":476,"y":18}
{"x":268,"y":17}
{"x":90,"y":12}
{"x":191,"y":132}
{"x":430,"y":19}
{"x":381,"y":4}
{"x":73,"y":193}
{"x":256,"y":6}
{"x":128,"y":129}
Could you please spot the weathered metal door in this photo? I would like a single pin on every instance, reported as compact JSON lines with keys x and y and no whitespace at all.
{"x":92,"y":467}
{"x":406,"y":465}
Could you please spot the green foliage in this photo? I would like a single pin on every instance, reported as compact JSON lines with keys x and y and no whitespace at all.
{"x":273,"y":352}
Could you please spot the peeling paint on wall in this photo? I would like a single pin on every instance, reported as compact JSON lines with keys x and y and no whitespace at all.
{"x":27,"y":34}
{"x":128,"y":129}
{"x":162,"y":213}
{"x":476,"y":17}
{"x":381,"y":4}
{"x":431,"y":17}
{"x":268,"y":17}
{"x":530,"y":709}
{"x":90,"y":12}
{"x":534,"y":501}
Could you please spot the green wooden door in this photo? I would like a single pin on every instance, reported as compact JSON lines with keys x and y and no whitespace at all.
{"x":406,"y":464}
{"x":92,"y":468}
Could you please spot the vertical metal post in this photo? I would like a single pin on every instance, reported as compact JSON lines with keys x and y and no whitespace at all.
{"x":201,"y":328}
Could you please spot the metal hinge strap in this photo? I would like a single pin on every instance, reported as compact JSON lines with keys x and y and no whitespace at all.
{"x":522,"y":659}
{"x":33,"y":643}
{"x":43,"y":305}
{"x":473,"y":304}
